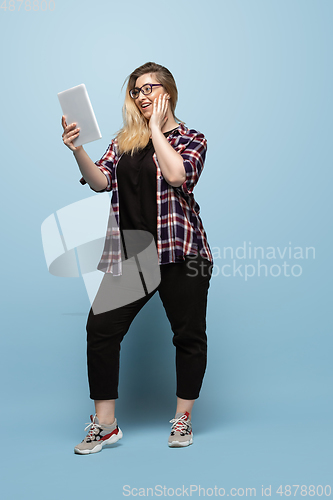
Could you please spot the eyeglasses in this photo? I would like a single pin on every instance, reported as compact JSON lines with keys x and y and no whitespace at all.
{"x":145,"y":89}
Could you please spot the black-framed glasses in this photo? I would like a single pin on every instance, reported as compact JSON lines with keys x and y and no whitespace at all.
{"x":145,"y":89}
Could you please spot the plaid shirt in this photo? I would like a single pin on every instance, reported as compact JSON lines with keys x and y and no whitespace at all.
{"x":179,"y":227}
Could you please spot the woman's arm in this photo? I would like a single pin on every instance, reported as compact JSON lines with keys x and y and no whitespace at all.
{"x":90,"y":172}
{"x":170,"y":162}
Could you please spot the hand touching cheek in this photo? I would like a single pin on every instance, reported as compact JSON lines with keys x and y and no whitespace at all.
{"x":160,"y":109}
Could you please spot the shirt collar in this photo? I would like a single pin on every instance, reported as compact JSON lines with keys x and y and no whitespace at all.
{"x":182,"y":129}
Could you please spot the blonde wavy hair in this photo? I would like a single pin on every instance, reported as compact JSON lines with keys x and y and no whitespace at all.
{"x":135,"y":133}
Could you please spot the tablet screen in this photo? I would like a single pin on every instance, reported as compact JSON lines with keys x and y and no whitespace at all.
{"x":77,"y":108}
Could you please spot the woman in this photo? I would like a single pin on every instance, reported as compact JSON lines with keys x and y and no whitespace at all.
{"x":151,"y":166}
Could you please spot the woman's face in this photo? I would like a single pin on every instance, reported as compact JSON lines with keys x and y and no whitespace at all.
{"x":143,"y":100}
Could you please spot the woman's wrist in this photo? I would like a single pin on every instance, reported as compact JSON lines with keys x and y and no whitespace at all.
{"x":155,"y":130}
{"x":76,"y":150}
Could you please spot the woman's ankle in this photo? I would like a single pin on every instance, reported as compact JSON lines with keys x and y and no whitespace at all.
{"x":105,"y":411}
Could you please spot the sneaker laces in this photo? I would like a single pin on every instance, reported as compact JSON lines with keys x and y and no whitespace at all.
{"x":180,"y":424}
{"x":94,"y":428}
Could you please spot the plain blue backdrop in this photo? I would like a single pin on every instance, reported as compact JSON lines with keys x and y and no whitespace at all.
{"x":255,"y":76}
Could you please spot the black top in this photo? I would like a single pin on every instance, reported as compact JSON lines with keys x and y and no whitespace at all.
{"x":136,"y":176}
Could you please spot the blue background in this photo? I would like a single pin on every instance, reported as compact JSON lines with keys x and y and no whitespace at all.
{"x":255,"y":76}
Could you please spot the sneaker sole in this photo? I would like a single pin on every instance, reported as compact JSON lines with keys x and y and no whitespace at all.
{"x":180,"y":444}
{"x":113,"y":439}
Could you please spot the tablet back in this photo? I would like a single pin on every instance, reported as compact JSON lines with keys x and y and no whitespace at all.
{"x":76,"y":107}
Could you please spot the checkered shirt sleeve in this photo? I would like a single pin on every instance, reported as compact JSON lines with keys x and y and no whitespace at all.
{"x":194,"y":157}
{"x":105,"y":164}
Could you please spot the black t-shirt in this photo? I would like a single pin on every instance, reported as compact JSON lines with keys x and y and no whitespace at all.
{"x":136,"y":177}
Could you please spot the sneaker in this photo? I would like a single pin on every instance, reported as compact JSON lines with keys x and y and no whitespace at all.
{"x":98,"y":436}
{"x":181,"y":431}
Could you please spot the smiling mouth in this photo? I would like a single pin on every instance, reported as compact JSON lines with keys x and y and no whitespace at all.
{"x":145,"y":107}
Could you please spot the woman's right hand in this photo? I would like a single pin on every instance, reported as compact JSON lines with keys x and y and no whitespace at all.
{"x":70,"y":133}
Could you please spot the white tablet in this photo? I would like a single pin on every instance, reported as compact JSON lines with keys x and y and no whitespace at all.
{"x":77,"y":108}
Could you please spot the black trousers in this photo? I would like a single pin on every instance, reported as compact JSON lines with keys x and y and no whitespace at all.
{"x":183,"y":290}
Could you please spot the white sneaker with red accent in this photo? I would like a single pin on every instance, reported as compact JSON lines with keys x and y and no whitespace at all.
{"x":98,"y":436}
{"x":181,"y":431}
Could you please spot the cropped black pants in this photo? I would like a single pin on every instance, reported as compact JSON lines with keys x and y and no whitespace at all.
{"x":183,"y":290}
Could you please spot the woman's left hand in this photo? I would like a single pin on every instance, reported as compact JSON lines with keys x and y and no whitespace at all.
{"x":160,"y":108}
